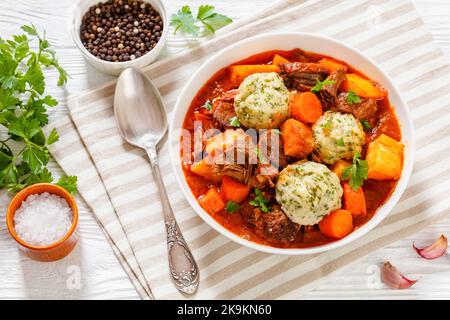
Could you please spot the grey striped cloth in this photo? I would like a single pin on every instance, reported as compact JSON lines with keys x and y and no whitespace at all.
{"x":115,"y":178}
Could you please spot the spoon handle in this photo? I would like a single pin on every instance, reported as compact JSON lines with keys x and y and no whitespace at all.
{"x":183,"y":268}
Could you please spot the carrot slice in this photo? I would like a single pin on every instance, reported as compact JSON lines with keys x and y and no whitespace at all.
{"x":212,"y":201}
{"x":306,"y":107}
{"x":233,"y":190}
{"x":278,"y":59}
{"x":337,"y":224}
{"x":354,"y":201}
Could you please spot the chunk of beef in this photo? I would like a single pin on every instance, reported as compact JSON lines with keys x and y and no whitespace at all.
{"x":273,"y":226}
{"x":271,"y":148}
{"x":223,"y":109}
{"x":302,"y":76}
{"x":233,"y":153}
{"x":328,"y":93}
{"x":302,"y":56}
{"x":365,"y":109}
{"x":240,"y":172}
{"x":265,"y":176}
{"x":223,"y":112}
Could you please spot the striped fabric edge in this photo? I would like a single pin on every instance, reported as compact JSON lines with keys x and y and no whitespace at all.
{"x":97,"y":200}
{"x":403,"y":5}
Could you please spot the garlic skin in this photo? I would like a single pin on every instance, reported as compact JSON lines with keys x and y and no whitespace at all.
{"x":434,"y":251}
{"x":393,"y":278}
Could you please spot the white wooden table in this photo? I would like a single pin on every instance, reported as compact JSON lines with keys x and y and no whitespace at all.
{"x":101,"y":276}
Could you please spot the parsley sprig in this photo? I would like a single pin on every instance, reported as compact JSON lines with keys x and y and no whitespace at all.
{"x":260,"y":201}
{"x":185,"y":22}
{"x":319,"y":85}
{"x":356,"y":173}
{"x":207,"y":105}
{"x":23,"y":111}
{"x":366,"y":125}
{"x":234,"y":122}
{"x":232,"y":206}
{"x":352,"y":98}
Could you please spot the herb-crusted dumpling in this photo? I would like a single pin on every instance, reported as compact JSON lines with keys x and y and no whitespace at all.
{"x":262,"y":101}
{"x":337,"y":136}
{"x":308,"y":191}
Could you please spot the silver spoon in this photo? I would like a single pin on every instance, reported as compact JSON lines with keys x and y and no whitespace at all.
{"x":142,"y":122}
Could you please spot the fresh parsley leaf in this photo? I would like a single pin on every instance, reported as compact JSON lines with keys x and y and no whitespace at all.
{"x":366,"y":125}
{"x":24,"y":128}
{"x":232,"y":206}
{"x":352,"y":98}
{"x":9,"y":81}
{"x":52,"y":137}
{"x":211,"y":19}
{"x":234,"y":122}
{"x":23,"y":109}
{"x":49,"y":101}
{"x":34,"y":77}
{"x":69,"y":183}
{"x":207,"y":106}
{"x":44,"y":177}
{"x":31,"y":30}
{"x":5,"y":157}
{"x":319,"y":85}
{"x":340,"y":142}
{"x":9,"y":175}
{"x":356,"y":173}
{"x":260,"y":201}
{"x":184,"y":21}
{"x":36,"y":158}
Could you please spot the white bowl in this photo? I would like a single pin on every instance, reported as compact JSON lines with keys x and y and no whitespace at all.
{"x":115,"y":68}
{"x":288,"y":41}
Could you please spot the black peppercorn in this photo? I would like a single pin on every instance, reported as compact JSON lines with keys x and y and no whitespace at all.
{"x":121,"y":30}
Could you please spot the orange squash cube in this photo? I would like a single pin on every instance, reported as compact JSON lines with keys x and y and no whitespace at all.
{"x":277,"y":60}
{"x":212,"y":201}
{"x":339,"y":166}
{"x":363,"y":87}
{"x":297,"y":138}
{"x":385,"y":158}
{"x":239,"y":72}
{"x":332,"y":65}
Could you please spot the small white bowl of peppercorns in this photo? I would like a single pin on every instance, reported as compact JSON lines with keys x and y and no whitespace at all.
{"x":117,"y":34}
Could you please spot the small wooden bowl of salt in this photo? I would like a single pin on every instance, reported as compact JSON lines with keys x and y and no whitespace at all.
{"x":43,"y":220}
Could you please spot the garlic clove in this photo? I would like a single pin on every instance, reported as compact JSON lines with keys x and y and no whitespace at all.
{"x":436,"y":250}
{"x":393,"y":278}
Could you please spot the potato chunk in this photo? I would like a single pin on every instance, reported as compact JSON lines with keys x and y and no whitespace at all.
{"x":385,"y":158}
{"x":203,"y":169}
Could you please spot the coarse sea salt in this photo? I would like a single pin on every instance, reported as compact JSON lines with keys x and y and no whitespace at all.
{"x":43,"y":219}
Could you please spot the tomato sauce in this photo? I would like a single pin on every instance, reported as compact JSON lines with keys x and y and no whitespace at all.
{"x":376,"y":192}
